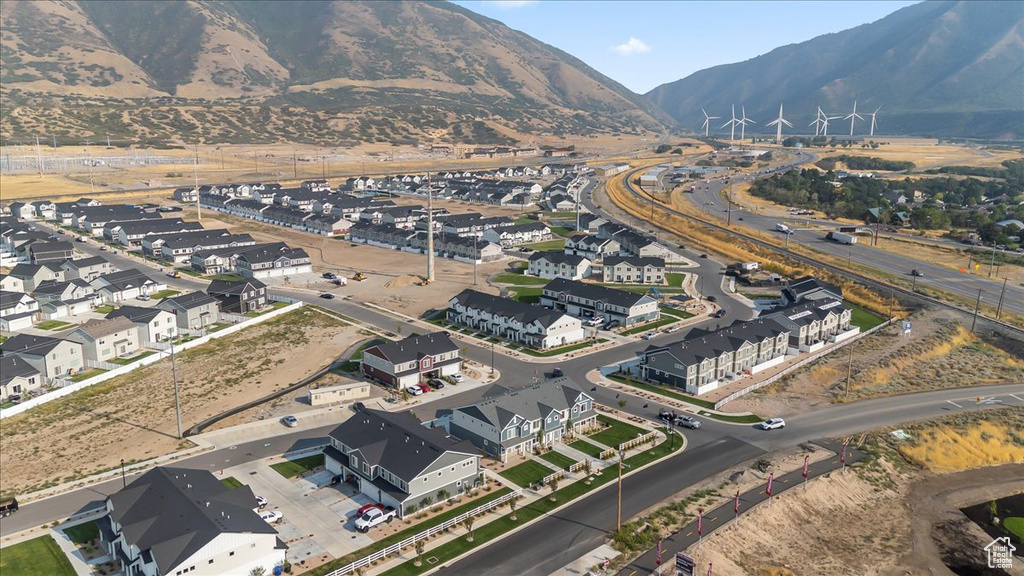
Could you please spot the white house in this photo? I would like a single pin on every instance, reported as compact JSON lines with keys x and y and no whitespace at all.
{"x":514,"y":321}
{"x":559,"y":265}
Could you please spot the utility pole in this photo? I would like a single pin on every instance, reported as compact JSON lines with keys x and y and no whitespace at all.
{"x":849,"y":259}
{"x":913,"y":283}
{"x":295,"y":165}
{"x":892,"y":298}
{"x":177,"y":401}
{"x":977,"y":305}
{"x":430,"y":232}
{"x":476,"y":258}
{"x":849,"y":372}
{"x":195,"y":181}
{"x":88,"y":160}
{"x":54,"y":141}
{"x":999,"y":308}
{"x":618,"y":516}
{"x":992,"y":264}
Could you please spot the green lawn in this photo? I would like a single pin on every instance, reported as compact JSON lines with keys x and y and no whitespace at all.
{"x":587,"y":448}
{"x":674,"y":279}
{"x":218,"y":326}
{"x":519,"y":279}
{"x":273,"y":306}
{"x":618,"y":433}
{"x":53,"y":325}
{"x":530,"y":294}
{"x":37,"y":557}
{"x":556,"y":244}
{"x":231,"y":482}
{"x":524,"y":220}
{"x":862,"y":317}
{"x":87,"y":374}
{"x":227,"y":277}
{"x":526,"y":474}
{"x":663,"y":391}
{"x":557,"y":351}
{"x":3,"y":339}
{"x":558,"y":459}
{"x":136,"y":358}
{"x":562,"y":231}
{"x":105,"y":309}
{"x":410,"y":531}
{"x":650,"y":326}
{"x":527,"y":513}
{"x":164,"y":294}
{"x":83,"y":533}
{"x":1015,"y":524}
{"x":292,"y":468}
{"x":748,"y":419}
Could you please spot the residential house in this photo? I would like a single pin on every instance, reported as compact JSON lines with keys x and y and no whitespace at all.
{"x":154,"y":324}
{"x":50,"y":252}
{"x":181,"y":521}
{"x":11,"y":284}
{"x":412,"y":360}
{"x":561,"y":203}
{"x":132,"y":233}
{"x":328,"y":225}
{"x":92,"y":219}
{"x":592,"y":248}
{"x":239,"y":296}
{"x":395,"y":460}
{"x":559,"y":265}
{"x":192,"y":311}
{"x":457,"y":248}
{"x":509,"y":421}
{"x":809,"y":288}
{"x":53,"y":357}
{"x":179,"y":249}
{"x":87,"y":269}
{"x":895,"y":197}
{"x":17,"y":377}
{"x":60,"y":299}
{"x":121,"y":286}
{"x":23,"y":210}
{"x":272,"y":260}
{"x":32,"y":275}
{"x":706,"y":360}
{"x":813,"y":323}
{"x":514,"y":321}
{"x":634,"y":269}
{"x":104,"y":340}
{"x":520,"y":234}
{"x":17,"y":311}
{"x":187,"y":194}
{"x":592,"y":300}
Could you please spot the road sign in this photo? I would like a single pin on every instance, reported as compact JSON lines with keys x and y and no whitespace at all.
{"x":685,"y":564}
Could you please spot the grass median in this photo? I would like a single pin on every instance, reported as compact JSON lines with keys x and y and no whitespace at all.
{"x":37,"y":557}
{"x":292,"y":468}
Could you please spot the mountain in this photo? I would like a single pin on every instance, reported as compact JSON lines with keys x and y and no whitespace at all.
{"x":332,"y":72}
{"x":937,"y":68}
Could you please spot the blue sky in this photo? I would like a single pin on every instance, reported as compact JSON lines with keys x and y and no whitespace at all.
{"x":645,"y":44}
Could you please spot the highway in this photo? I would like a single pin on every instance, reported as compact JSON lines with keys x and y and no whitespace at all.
{"x":710,"y":199}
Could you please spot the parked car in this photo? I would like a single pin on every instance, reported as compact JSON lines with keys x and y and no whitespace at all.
{"x":271,"y":516}
{"x":613,"y":324}
{"x":720,"y":313}
{"x":327,"y":296}
{"x":712,"y":299}
{"x":374,"y":517}
{"x":261,"y":502}
{"x":773,"y":423}
{"x":595,"y":321}
{"x":290,"y":421}
{"x":916,"y":272}
{"x":363,"y":510}
{"x":557,"y":373}
{"x":80,"y":239}
{"x":649,"y":336}
{"x":328,"y":275}
{"x":671,"y":329}
{"x":174,"y":274}
{"x":690,"y":422}
{"x":358,"y":406}
{"x":103,"y":248}
{"x":8,"y":506}
{"x":143,"y":297}
{"x":436,"y":384}
{"x":525,"y":249}
{"x":414,"y":390}
{"x":458,"y":377}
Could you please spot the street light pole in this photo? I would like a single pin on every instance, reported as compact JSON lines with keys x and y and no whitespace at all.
{"x":618,"y":516}
{"x":492,"y":358}
{"x":124,"y":483}
{"x":177,"y":401}
{"x":999,"y":308}
{"x":977,"y":305}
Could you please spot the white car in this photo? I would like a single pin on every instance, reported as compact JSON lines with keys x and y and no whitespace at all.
{"x":290,"y":421}
{"x":458,"y":377}
{"x":773,"y":423}
{"x":650,"y":336}
{"x":271,"y":516}
{"x":596,"y":320}
{"x":414,"y":390}
{"x":261,"y":502}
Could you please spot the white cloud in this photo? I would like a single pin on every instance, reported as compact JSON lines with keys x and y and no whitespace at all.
{"x":633,"y":46}
{"x":511,"y":3}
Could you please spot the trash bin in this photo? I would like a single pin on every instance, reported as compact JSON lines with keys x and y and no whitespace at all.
{"x":278,"y":570}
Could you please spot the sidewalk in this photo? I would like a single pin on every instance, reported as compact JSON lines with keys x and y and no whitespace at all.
{"x":597,"y":377}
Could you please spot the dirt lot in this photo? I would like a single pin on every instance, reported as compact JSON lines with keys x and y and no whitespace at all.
{"x":939,"y":353}
{"x":886,"y":517}
{"x":132,"y":416}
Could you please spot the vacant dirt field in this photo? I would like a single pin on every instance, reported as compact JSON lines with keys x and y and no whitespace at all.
{"x":884,"y":517}
{"x":132,"y":416}
{"x":940,"y":353}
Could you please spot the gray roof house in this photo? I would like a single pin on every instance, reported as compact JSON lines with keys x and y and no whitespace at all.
{"x":634,"y":269}
{"x":809,"y":288}
{"x":51,"y":252}
{"x":239,"y":296}
{"x":32,"y":275}
{"x":87,"y":269}
{"x":154,"y":324}
{"x":192,"y":311}
{"x":53,"y":357}
{"x":397,"y":461}
{"x":412,"y":360}
{"x":17,"y":311}
{"x":184,"y":521}
{"x":511,"y":421}
{"x":592,"y":301}
{"x":124,"y":285}
{"x":17,"y":377}
{"x":103,"y":340}
{"x":514,"y":321}
{"x":559,"y":265}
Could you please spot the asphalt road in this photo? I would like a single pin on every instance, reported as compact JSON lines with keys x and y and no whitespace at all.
{"x":899,"y":264}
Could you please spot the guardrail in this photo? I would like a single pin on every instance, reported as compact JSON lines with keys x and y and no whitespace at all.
{"x":775,"y":378}
{"x":394,"y":549}
{"x":547,"y":479}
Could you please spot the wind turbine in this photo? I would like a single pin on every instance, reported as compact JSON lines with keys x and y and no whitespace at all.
{"x":853,"y":117}
{"x":779,"y":122}
{"x":824,"y":122}
{"x":873,"y":120}
{"x":732,"y":124}
{"x":817,"y":122}
{"x":743,"y":122}
{"x":707,"y":121}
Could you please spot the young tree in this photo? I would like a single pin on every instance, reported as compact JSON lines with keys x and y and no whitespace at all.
{"x":419,"y":552}
{"x":512,"y":507}
{"x":468,"y":523}
{"x":554,"y":488}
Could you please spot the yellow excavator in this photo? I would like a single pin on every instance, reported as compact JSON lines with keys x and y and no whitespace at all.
{"x":359,"y":276}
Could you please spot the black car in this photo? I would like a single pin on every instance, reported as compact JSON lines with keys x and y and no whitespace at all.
{"x":436,"y":384}
{"x":720,"y":313}
{"x":557,"y":373}
{"x":703,"y":255}
{"x":328,"y":275}
{"x":327,"y":296}
{"x":712,"y":299}
{"x":358,"y":406}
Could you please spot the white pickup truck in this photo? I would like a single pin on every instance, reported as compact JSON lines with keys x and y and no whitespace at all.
{"x":375,"y":516}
